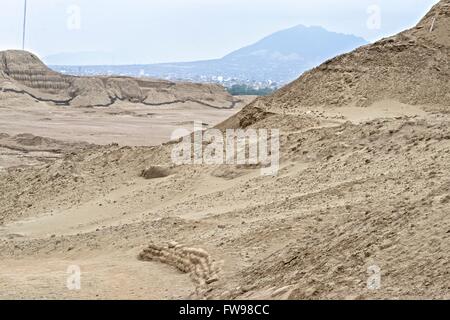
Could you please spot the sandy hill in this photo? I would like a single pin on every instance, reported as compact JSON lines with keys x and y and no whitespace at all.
{"x":411,"y":67}
{"x":359,"y":209}
{"x":23,"y":73}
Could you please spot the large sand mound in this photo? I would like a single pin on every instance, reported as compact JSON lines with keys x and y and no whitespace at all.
{"x":412,"y":67}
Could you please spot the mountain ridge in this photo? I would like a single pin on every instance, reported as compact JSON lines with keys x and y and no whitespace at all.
{"x":279,"y":57}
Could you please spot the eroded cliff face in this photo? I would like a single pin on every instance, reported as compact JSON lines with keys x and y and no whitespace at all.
{"x":23,"y":73}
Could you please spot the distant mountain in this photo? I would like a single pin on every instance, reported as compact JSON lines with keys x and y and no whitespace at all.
{"x":280,"y":57}
{"x":288,"y":53}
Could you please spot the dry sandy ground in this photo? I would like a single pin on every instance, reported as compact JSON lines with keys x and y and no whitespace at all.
{"x":103,"y":277}
{"x":33,"y":132}
{"x":124,"y":123}
{"x":63,"y":112}
{"x":350,"y":195}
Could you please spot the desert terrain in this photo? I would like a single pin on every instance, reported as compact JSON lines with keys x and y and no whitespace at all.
{"x":45,"y":114}
{"x":363,"y":183}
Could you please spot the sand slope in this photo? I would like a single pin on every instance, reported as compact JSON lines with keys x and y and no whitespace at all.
{"x":411,"y":67}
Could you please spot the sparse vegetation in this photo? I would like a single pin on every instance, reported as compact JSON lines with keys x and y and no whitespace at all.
{"x":245,"y":90}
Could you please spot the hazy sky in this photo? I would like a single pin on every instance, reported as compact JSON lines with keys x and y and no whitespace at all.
{"x":147,"y":31}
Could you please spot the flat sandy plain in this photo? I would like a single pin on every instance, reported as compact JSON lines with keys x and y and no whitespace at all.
{"x":31,"y":131}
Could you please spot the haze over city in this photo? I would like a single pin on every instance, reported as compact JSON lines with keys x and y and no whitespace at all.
{"x":154,"y":31}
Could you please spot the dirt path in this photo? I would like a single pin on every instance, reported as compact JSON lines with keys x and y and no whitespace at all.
{"x":112,"y":275}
